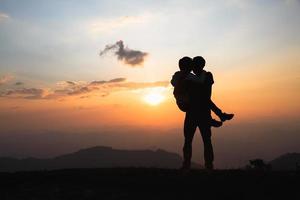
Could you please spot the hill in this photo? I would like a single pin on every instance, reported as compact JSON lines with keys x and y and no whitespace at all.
{"x":289,"y":161}
{"x":96,"y":157}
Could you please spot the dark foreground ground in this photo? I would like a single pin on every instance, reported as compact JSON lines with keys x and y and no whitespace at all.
{"x":140,"y":183}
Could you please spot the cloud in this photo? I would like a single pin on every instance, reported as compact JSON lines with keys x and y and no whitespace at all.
{"x":115,"y":80}
{"x":5,"y":79}
{"x":26,"y":93}
{"x":4,"y":16}
{"x":128,"y":56}
{"x":19,"y":83}
{"x":81,"y":89}
{"x":70,"y":82}
{"x":102,"y":88}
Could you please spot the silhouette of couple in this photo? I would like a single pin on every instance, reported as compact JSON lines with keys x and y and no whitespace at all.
{"x":192,"y":92}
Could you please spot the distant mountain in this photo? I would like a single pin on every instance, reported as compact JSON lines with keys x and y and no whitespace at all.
{"x":96,"y":157}
{"x":289,"y":161}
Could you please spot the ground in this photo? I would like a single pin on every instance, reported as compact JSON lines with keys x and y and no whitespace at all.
{"x":148,"y":183}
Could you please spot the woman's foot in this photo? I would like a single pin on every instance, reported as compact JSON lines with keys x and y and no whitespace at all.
{"x":225,"y":116}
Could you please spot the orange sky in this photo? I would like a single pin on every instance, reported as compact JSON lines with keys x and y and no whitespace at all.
{"x":53,"y":77}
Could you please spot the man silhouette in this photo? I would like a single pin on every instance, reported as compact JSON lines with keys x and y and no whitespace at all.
{"x":199,"y":114}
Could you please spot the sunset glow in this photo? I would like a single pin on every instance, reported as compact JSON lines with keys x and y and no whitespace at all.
{"x":104,"y":68}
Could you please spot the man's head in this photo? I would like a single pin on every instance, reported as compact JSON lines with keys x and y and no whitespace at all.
{"x":185,"y":64}
{"x":198,"y":64}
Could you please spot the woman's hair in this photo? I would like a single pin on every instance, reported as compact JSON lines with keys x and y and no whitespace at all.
{"x":185,"y":64}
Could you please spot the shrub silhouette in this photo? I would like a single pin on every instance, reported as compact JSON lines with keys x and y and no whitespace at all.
{"x":258,"y":164}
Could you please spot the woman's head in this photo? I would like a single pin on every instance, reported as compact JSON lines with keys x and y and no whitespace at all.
{"x":185,"y":64}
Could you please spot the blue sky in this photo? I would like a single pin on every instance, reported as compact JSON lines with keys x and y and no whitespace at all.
{"x":54,"y":40}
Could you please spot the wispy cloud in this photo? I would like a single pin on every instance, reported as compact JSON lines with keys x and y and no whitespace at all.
{"x":4,"y":16}
{"x":128,"y":56}
{"x":103,"y":88}
{"x":26,"y":93}
{"x":19,"y":83}
{"x":81,"y":89}
{"x":5,"y":79}
{"x":115,"y":80}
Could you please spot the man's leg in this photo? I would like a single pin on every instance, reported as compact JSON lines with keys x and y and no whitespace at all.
{"x":205,"y":131}
{"x":189,"y":132}
{"x":219,"y":113}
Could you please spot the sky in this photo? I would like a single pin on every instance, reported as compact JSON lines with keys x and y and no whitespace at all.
{"x":76,"y":74}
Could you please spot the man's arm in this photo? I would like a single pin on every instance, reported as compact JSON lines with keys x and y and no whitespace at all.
{"x":209,"y":81}
{"x":209,"y":78}
{"x":195,"y":78}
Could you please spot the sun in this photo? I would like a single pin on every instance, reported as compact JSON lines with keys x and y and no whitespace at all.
{"x":154,"y":98}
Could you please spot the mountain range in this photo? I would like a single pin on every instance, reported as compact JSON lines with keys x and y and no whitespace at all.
{"x":107,"y":157}
{"x":96,"y":157}
{"x":289,"y":161}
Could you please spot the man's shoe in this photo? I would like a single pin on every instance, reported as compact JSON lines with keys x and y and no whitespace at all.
{"x":225,"y":116}
{"x":186,"y":167}
{"x":209,"y":166}
{"x":215,"y":123}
